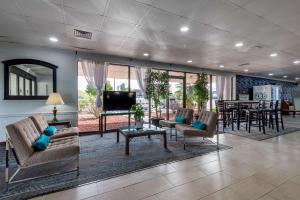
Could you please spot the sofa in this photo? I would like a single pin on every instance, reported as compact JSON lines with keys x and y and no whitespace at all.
{"x":181,"y":112}
{"x":209,"y":118}
{"x":19,"y":139}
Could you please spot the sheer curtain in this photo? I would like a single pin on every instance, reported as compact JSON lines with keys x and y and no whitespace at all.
{"x":224,"y":87}
{"x":95,"y":73}
{"x":140,"y":73}
{"x":220,"y":86}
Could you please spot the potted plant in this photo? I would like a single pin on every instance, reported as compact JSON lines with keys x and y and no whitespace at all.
{"x":138,"y":114}
{"x":157,"y":90}
{"x":201,"y":91}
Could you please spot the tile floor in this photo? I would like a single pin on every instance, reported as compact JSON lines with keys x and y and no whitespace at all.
{"x":263,"y":170}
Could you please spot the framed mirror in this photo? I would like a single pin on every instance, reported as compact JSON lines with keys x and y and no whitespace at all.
{"x":28,"y":79}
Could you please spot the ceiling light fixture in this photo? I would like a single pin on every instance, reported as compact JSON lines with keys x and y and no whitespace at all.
{"x":273,"y":54}
{"x":189,"y":61}
{"x":297,"y":78}
{"x":53,"y":39}
{"x":184,"y":29}
{"x":296,"y":62}
{"x":239,"y":44}
{"x":271,"y":74}
{"x":246,"y":70}
{"x":285,"y":76}
{"x":146,"y":54}
{"x":221,"y":66}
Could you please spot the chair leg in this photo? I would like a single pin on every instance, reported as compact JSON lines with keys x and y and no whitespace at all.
{"x":263,"y":122}
{"x":250,"y":122}
{"x":170,"y":133}
{"x":183,"y":142}
{"x":277,"y":121}
{"x":78,"y":165}
{"x":282,"y":126}
{"x":7,"y":164}
{"x":218,"y":140}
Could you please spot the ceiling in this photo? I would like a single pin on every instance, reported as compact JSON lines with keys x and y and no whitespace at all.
{"x":131,"y":28}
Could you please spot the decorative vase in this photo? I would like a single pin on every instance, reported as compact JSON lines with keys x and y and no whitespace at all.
{"x":139,"y":123}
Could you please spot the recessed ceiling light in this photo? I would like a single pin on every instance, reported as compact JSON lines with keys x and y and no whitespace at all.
{"x":146,"y":54}
{"x":53,"y":39}
{"x":297,"y":78}
{"x":246,"y":70}
{"x":239,"y":44}
{"x":273,"y":54}
{"x":285,"y":76}
{"x":271,"y":74}
{"x":221,"y":66}
{"x":184,"y":29}
{"x":189,"y":61}
{"x":297,"y":62}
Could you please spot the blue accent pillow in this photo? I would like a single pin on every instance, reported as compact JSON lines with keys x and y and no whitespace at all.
{"x":180,"y":119}
{"x":199,"y":125}
{"x":41,"y":143}
{"x":50,"y":130}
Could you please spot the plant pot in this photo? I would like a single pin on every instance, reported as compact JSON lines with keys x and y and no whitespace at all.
{"x":139,"y":124}
{"x":155,"y":121}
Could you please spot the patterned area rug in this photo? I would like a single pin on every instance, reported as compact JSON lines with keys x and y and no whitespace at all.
{"x":100,"y":158}
{"x":255,"y":134}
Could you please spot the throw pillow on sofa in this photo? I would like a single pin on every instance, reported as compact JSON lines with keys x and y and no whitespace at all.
{"x":41,"y":143}
{"x":50,"y":130}
{"x":180,"y":119}
{"x":199,"y":125}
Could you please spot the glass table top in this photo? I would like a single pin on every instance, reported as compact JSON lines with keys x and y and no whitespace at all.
{"x":147,"y":128}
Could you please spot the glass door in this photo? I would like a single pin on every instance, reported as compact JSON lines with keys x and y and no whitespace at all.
{"x":176,"y":93}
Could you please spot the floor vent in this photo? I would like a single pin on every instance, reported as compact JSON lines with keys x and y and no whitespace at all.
{"x":82,"y":34}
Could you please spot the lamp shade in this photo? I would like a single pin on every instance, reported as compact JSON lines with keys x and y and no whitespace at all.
{"x":55,"y":99}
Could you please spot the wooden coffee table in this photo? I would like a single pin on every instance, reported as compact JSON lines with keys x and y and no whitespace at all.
{"x":130,"y":132}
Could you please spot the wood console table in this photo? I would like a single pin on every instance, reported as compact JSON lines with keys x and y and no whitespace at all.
{"x":104,"y":114}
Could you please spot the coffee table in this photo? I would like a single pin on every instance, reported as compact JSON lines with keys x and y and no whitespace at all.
{"x":130,"y":132}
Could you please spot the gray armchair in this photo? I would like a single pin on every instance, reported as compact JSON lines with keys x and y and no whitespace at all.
{"x":209,"y":118}
{"x":181,"y":112}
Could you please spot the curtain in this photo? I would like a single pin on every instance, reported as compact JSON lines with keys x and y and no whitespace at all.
{"x":141,"y":75}
{"x":95,"y":73}
{"x":220,"y":86}
{"x":224,"y":87}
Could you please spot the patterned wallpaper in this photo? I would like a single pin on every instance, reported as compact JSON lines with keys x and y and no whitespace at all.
{"x":244,"y":85}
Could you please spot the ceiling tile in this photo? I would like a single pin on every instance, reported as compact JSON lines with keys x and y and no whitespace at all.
{"x":127,"y":10}
{"x":87,"y":6}
{"x":116,"y":27}
{"x":81,"y":19}
{"x":41,"y":9}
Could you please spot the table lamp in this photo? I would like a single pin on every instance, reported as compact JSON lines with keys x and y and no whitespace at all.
{"x":55,"y":99}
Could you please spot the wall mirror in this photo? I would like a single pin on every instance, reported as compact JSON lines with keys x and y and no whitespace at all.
{"x":28,"y":79}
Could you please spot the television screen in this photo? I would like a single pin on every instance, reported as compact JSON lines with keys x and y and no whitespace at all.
{"x":118,"y":100}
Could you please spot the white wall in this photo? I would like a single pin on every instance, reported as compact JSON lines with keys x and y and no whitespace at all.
{"x":13,"y":110}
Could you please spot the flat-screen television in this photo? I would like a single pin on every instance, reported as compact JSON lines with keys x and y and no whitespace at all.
{"x":118,"y":100}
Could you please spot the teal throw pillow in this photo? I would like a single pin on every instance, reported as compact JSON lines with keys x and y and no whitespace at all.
{"x":41,"y":143}
{"x":180,"y":119}
{"x":199,"y":125}
{"x":50,"y":130}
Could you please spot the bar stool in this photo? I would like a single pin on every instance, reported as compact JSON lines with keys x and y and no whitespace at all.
{"x":223,"y":113}
{"x":258,"y":115}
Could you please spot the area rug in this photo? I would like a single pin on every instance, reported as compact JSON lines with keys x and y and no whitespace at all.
{"x":255,"y":134}
{"x":101,"y":158}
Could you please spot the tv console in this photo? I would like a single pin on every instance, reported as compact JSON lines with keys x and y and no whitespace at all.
{"x":104,"y":114}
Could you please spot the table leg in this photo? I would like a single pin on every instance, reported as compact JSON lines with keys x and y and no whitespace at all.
{"x":101,"y":126}
{"x":149,"y":136}
{"x":127,"y":145}
{"x":165,"y":139}
{"x":118,"y":135}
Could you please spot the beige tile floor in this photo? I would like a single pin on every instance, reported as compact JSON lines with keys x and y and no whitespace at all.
{"x":264,"y":170}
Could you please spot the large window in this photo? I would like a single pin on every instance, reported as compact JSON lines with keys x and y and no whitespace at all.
{"x":123,"y":78}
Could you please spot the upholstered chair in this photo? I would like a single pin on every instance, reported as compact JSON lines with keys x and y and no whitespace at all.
{"x":209,"y":118}
{"x":20,"y":137}
{"x":181,"y":112}
{"x":41,"y":123}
